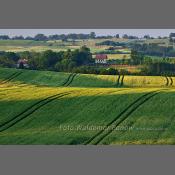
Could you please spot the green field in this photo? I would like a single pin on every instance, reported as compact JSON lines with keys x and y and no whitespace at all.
{"x":56,"y":45}
{"x":42,"y":107}
{"x":118,"y":56}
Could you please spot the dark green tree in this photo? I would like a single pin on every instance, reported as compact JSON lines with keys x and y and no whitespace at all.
{"x":136,"y":57}
{"x":49,"y":59}
{"x":92,"y":35}
{"x":40,"y":37}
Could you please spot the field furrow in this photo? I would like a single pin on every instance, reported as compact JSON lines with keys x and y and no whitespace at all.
{"x":44,"y":107}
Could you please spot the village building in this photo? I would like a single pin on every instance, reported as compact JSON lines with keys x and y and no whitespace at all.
{"x":22,"y":64}
{"x":101,"y":58}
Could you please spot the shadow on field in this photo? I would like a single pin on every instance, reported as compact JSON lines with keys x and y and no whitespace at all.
{"x":68,"y":120}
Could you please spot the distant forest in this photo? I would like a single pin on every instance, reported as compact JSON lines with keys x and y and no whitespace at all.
{"x":42,"y":37}
{"x":74,"y":36}
{"x":154,"y":50}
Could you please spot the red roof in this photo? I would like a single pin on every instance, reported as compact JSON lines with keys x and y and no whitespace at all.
{"x":101,"y":56}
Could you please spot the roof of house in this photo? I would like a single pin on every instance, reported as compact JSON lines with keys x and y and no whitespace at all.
{"x":24,"y":61}
{"x":101,"y":56}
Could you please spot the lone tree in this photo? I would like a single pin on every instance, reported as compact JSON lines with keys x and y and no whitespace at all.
{"x":92,"y":35}
{"x":117,"y":36}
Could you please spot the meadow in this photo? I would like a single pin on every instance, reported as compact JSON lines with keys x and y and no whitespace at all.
{"x":43,"y":107}
{"x":118,"y":56}
{"x":56,"y":45}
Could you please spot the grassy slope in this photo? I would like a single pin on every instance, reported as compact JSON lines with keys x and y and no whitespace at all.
{"x":84,"y":106}
{"x":142,"y":81}
{"x":6,"y":72}
{"x":56,"y":123}
{"x":13,"y":100}
{"x":43,"y":78}
{"x":153,"y":123}
{"x":98,"y":107}
{"x":83,"y":80}
{"x":38,"y":46}
{"x":48,"y":78}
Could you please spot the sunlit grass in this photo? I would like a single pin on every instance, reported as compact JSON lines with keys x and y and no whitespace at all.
{"x":92,"y":100}
{"x":118,"y":56}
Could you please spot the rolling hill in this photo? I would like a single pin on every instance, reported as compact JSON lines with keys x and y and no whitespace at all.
{"x":42,"y":107}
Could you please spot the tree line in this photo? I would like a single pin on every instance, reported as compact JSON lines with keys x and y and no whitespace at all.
{"x":79,"y":61}
{"x":150,"y":66}
{"x":49,"y":60}
{"x":73,"y":36}
{"x":154,"y":49}
{"x":111,"y":43}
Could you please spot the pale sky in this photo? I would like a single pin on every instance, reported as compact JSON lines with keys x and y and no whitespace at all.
{"x":135,"y":32}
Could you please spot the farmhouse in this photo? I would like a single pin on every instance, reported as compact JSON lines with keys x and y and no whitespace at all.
{"x":101,"y":58}
{"x":22,"y":63}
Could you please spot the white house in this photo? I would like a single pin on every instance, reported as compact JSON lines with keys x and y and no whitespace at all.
{"x":101,"y":59}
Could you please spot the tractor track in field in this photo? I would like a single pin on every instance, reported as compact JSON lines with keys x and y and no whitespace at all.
{"x":169,"y":81}
{"x":171,"y":84}
{"x":69,"y":80}
{"x":30,"y":110}
{"x":121,"y":117}
{"x":11,"y":77}
{"x":34,"y":107}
